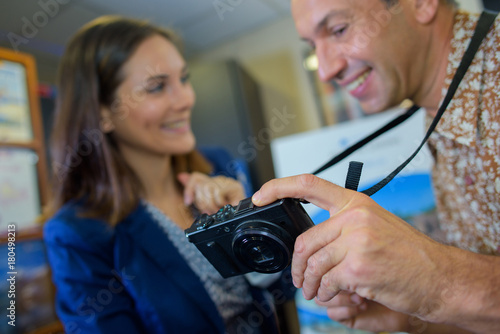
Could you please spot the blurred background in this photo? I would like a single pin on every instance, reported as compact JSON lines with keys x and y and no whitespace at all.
{"x":253,"y":76}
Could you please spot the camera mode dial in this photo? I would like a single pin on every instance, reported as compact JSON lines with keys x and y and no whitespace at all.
{"x":204,"y":222}
{"x":225,"y":213}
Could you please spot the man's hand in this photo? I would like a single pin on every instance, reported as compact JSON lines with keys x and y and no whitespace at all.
{"x":361,"y":248}
{"x":356,"y":312}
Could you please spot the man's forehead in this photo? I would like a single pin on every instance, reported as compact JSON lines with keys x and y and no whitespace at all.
{"x":301,"y":7}
{"x":338,"y":2}
{"x":312,"y":13}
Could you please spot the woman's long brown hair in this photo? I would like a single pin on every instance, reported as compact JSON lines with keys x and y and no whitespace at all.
{"x":86,"y":163}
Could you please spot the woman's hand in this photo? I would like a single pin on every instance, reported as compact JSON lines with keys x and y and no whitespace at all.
{"x":208,"y":193}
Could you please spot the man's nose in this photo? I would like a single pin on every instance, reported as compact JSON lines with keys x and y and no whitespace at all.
{"x":331,"y":61}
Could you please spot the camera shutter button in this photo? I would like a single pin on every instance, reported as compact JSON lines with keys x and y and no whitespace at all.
{"x":206,"y":221}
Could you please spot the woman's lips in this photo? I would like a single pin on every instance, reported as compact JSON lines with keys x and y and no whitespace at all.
{"x":177,"y":126}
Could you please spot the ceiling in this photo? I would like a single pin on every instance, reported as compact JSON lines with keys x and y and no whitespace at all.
{"x":44,"y":26}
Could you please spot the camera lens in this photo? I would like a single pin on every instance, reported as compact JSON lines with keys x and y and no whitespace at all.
{"x":260,"y":254}
{"x":262,"y":248}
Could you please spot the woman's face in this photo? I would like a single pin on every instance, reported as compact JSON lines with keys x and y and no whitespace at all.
{"x":152,"y":108}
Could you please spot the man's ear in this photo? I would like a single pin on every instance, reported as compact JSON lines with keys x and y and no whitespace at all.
{"x":426,"y":10}
{"x":106,"y":123}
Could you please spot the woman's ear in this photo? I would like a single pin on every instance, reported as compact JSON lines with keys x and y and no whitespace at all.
{"x":106,"y":122}
{"x":426,"y":10}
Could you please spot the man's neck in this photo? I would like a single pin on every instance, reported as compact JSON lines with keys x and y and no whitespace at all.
{"x":436,"y":62}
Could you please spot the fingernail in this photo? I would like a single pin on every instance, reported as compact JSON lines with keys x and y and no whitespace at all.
{"x":256,"y":198}
{"x":356,"y":299}
{"x":305,"y":295}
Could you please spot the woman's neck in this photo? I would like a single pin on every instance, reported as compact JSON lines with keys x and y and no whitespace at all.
{"x":155,"y":172}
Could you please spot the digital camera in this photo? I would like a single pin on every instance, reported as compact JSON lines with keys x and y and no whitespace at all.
{"x":246,"y":238}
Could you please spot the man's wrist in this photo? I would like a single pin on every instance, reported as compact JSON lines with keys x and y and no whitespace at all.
{"x":435,"y":283}
{"x":468,"y":294}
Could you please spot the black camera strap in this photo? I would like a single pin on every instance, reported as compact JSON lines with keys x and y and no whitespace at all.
{"x":484,"y":24}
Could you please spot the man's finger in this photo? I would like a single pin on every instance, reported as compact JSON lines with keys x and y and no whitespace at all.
{"x":345,"y":313}
{"x":343,"y":298}
{"x":319,"y":192}
{"x":315,"y":253}
{"x":329,"y":286}
{"x":319,"y":264}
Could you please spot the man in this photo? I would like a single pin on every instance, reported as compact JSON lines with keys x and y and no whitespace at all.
{"x":371,"y":269}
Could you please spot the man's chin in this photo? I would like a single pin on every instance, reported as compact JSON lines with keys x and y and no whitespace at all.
{"x":370,"y":109}
{"x":377,"y":107}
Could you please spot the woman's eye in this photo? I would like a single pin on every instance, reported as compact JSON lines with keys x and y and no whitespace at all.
{"x":155,"y":87}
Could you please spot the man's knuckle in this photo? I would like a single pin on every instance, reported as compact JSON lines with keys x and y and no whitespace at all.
{"x":314,"y":266}
{"x":328,"y":282}
{"x":307,"y":181}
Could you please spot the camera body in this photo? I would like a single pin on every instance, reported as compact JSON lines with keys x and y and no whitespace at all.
{"x":246,"y":238}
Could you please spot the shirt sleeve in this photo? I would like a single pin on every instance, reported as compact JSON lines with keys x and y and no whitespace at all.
{"x":90,"y":298}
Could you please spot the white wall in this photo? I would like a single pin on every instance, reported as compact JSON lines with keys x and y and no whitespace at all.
{"x":273,"y":56}
{"x":472,"y":5}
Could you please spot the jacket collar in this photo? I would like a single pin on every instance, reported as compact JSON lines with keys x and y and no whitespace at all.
{"x":149,"y":236}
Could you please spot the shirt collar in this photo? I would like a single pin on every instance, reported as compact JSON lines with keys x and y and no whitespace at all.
{"x":459,"y":122}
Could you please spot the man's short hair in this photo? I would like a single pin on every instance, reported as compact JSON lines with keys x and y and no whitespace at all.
{"x":391,"y":3}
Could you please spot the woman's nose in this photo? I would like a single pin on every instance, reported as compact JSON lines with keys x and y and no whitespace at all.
{"x":183,"y":96}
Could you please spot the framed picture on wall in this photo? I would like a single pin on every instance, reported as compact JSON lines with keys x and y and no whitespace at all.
{"x":23,"y":175}
{"x":15,"y":118}
{"x":19,"y":193}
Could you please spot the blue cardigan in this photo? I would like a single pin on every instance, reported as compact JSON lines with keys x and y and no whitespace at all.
{"x":127,"y":280}
{"x":132,"y":279}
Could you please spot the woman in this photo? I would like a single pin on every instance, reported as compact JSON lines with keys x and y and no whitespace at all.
{"x":127,"y":178}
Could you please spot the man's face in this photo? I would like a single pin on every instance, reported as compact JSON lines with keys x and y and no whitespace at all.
{"x":365,"y":46}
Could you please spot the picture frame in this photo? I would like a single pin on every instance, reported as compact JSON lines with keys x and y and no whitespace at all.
{"x":15,"y":118}
{"x":23,"y":181}
{"x":19,"y":190}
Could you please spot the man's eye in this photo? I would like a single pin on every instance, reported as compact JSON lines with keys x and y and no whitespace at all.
{"x":338,"y":30}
